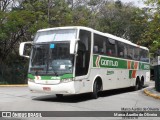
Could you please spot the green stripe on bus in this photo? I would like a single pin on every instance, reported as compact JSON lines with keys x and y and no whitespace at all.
{"x":132,"y":65}
{"x":130,"y":74}
{"x":144,"y":66}
{"x":108,"y":62}
{"x":31,"y":76}
{"x":94,"y":60}
{"x":65,"y":76}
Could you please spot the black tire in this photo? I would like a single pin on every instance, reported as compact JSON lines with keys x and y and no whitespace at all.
{"x":138,"y":85}
{"x":142,"y":83}
{"x":59,"y":95}
{"x":94,"y":94}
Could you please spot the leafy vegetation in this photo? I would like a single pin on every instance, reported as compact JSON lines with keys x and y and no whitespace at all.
{"x":20,"y":19}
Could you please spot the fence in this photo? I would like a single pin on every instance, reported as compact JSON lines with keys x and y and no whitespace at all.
{"x":13,"y":74}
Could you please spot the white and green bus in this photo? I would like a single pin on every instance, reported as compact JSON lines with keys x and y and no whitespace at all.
{"x":75,"y":59}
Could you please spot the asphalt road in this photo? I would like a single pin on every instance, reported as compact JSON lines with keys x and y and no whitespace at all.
{"x":21,"y":99}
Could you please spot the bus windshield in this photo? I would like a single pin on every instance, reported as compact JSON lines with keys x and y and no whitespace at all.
{"x":51,"y":59}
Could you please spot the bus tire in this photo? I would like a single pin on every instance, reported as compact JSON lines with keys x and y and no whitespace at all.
{"x":97,"y":86}
{"x":137,"y":86}
{"x":142,"y":82}
{"x":59,"y":95}
{"x":94,"y":94}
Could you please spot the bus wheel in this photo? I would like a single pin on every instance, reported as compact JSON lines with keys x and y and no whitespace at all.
{"x":59,"y":95}
{"x":138,"y":85}
{"x":97,"y":86}
{"x":142,"y":82}
{"x":95,"y":90}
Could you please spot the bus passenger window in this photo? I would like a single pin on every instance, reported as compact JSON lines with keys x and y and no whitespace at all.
{"x":95,"y":49}
{"x":130,"y":52}
{"x":101,"y":50}
{"x":98,"y":44}
{"x":110,"y":47}
{"x":109,"y":52}
{"x":120,"y":49}
{"x":136,"y":53}
{"x":144,"y":55}
{"x":121,"y":54}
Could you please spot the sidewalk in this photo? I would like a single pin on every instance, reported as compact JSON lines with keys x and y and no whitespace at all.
{"x":151,"y":91}
{"x":14,"y":85}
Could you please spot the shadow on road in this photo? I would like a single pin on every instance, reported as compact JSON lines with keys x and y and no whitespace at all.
{"x":81,"y":97}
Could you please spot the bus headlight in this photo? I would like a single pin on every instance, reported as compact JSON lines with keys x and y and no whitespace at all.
{"x":67,"y":80}
{"x":30,"y":80}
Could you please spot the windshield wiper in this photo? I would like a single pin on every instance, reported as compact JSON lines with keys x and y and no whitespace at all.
{"x":56,"y":74}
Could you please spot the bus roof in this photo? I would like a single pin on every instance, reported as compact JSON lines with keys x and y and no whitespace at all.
{"x":95,"y":31}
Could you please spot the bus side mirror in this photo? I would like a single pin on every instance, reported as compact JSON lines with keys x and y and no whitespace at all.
{"x":73,"y":46}
{"x":25,"y":48}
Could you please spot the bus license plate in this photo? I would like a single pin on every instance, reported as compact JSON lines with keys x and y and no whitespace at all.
{"x":46,"y":88}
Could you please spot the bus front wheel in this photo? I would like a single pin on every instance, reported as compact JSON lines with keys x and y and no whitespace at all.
{"x":95,"y":90}
{"x":97,"y":86}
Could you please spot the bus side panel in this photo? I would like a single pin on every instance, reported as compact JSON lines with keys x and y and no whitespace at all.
{"x":145,"y":74}
{"x":108,"y":77}
{"x":123,"y":79}
{"x":147,"y":79}
{"x":83,"y":84}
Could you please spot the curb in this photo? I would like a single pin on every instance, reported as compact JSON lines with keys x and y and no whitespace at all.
{"x":151,"y":94}
{"x":16,"y":85}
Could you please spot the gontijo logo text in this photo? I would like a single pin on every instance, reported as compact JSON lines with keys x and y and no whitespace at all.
{"x":109,"y":63}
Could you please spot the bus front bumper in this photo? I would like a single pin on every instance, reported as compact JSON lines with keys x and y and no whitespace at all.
{"x":61,"y":88}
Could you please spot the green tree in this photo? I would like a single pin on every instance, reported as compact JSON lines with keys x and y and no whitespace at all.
{"x":16,"y":25}
{"x":20,"y":19}
{"x":151,"y":37}
{"x":123,"y":20}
